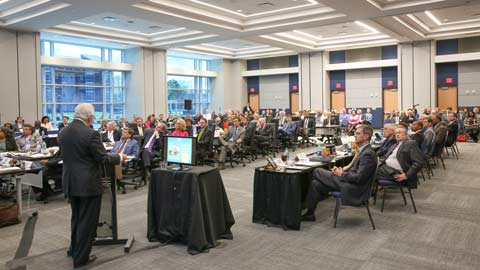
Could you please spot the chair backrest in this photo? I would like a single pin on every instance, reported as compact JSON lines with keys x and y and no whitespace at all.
{"x":368,"y":193}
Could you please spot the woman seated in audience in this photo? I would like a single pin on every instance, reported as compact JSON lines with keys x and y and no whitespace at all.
{"x":40,"y":129}
{"x":471,"y":126}
{"x":190,"y":127}
{"x":103,"y":125}
{"x":7,"y":140}
{"x":150,"y":120}
{"x":353,"y":121}
{"x":46,"y":123}
{"x":8,"y":126}
{"x":180,"y":128}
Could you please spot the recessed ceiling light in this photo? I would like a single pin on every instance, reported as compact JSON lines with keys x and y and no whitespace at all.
{"x":109,"y":19}
{"x":239,"y":10}
{"x":445,"y":20}
{"x":92,"y":23}
{"x":342,"y":33}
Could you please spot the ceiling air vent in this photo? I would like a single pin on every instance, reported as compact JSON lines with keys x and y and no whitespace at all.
{"x":265,"y":4}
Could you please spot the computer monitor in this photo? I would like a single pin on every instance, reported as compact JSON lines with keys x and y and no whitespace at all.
{"x":180,"y":150}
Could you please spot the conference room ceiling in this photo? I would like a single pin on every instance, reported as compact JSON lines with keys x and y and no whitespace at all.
{"x":247,"y":28}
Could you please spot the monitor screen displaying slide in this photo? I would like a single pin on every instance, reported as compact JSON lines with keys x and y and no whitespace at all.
{"x":180,"y":150}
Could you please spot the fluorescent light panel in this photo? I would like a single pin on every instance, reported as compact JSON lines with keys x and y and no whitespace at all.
{"x":22,"y":7}
{"x":408,"y":26}
{"x":433,"y":18}
{"x":128,"y":31}
{"x":54,"y":8}
{"x":312,"y":3}
{"x":417,"y":21}
{"x":366,"y":26}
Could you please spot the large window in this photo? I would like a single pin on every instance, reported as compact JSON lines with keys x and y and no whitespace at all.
{"x":64,"y":87}
{"x":181,"y":88}
{"x":67,"y":50}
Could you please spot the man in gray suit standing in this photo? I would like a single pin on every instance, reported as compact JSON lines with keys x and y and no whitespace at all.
{"x":353,"y":182}
{"x":83,"y":160}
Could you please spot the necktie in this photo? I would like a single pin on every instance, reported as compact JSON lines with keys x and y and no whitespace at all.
{"x":110,"y":136}
{"x":306,"y":123}
{"x":120,"y":150}
{"x":200,"y":134}
{"x":234,"y":137}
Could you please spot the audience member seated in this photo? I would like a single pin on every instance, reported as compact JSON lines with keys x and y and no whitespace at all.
{"x":39,"y":129}
{"x":28,"y":141}
{"x":452,"y":129}
{"x":264,"y":135}
{"x":64,"y":123}
{"x":123,"y":123}
{"x":46,"y":123}
{"x":417,"y":133}
{"x":7,"y":140}
{"x":344,"y":118}
{"x":180,"y":129}
{"x":190,"y":127}
{"x":204,"y":140}
{"x":440,"y":133}
{"x":403,"y":161}
{"x":428,"y":133}
{"x":308,"y":124}
{"x":18,"y":126}
{"x":161,"y":120}
{"x":103,"y":125}
{"x":51,"y":171}
{"x":287,"y":131}
{"x":368,"y":116}
{"x":152,"y":147}
{"x":282,"y":119}
{"x":150,"y":121}
{"x":389,"y":135}
{"x":126,"y":145}
{"x":139,"y":128}
{"x":230,"y":141}
{"x":111,"y":135}
{"x":471,"y":126}
{"x":353,"y":182}
{"x":353,"y":121}
{"x":9,"y":126}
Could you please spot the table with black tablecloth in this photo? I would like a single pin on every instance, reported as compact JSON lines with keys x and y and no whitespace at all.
{"x":278,"y":196}
{"x":190,"y":207}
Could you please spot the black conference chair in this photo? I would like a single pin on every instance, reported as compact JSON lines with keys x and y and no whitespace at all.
{"x":364,"y":201}
{"x":386,"y":184}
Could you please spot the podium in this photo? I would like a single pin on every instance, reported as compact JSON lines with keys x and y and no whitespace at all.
{"x":107,"y":230}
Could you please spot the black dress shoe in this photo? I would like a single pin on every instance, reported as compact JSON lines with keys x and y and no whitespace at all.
{"x":310,"y":218}
{"x":91,"y":259}
{"x":69,"y":253}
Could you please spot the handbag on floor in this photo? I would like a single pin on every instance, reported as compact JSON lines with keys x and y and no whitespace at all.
{"x":8,"y":214}
{"x":462,"y":137}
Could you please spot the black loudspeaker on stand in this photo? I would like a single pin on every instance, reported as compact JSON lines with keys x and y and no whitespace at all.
{"x":108,"y":217}
{"x":187,"y":104}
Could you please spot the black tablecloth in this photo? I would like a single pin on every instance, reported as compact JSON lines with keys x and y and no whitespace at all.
{"x":190,"y":207}
{"x":278,"y":196}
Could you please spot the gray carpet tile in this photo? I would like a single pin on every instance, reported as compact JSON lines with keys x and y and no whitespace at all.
{"x":444,"y":234}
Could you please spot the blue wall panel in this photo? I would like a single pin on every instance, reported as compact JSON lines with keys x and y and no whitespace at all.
{"x":447,"y":70}
{"x":253,"y":64}
{"x":253,"y":82}
{"x":293,"y":61}
{"x":389,"y":52}
{"x":389,"y":74}
{"x":337,"y":76}
{"x":448,"y":46}
{"x":337,"y":57}
{"x":293,"y":81}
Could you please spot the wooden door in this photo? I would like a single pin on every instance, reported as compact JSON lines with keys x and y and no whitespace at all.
{"x":254,"y":100}
{"x":447,"y":97}
{"x":390,"y":100}
{"x":294,"y":100}
{"x":337,"y":100}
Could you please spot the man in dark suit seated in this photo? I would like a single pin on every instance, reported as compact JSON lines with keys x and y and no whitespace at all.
{"x":152,"y":147}
{"x":247,"y":109}
{"x":452,"y":129}
{"x":64,"y":122}
{"x":111,"y":135}
{"x":429,"y":135}
{"x":52,"y":171}
{"x":230,"y":140}
{"x":264,"y":134}
{"x":83,"y":157}
{"x":352,"y":182}
{"x":417,"y":135}
{"x":204,"y":139}
{"x":139,"y":128}
{"x":403,"y":161}
{"x":440,"y":129}
{"x":127,"y":145}
{"x":389,"y":134}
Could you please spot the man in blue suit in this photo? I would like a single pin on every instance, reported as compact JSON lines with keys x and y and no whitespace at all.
{"x":288,"y":129}
{"x":126,"y":145}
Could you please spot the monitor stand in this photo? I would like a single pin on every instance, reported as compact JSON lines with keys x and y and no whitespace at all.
{"x":180,"y":168}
